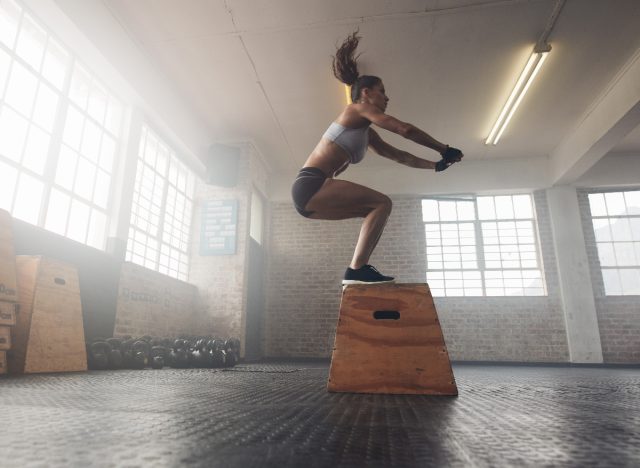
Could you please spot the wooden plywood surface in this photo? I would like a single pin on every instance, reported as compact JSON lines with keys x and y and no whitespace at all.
{"x":5,"y":338}
{"x":389,"y":340}
{"x":8,"y":284}
{"x":26,"y":269}
{"x":8,"y":313}
{"x":49,"y":332}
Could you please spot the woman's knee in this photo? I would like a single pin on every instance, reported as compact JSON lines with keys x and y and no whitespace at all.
{"x":385,"y":204}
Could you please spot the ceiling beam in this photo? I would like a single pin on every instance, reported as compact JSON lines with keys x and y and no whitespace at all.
{"x":614,"y":170}
{"x":611,"y":117}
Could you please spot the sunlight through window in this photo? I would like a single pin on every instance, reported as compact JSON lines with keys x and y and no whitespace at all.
{"x":482,"y":246}
{"x":70,"y":161}
{"x":162,"y":209}
{"x":615,"y":217}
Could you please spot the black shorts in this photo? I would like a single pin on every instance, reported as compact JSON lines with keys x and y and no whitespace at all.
{"x":308,"y":182}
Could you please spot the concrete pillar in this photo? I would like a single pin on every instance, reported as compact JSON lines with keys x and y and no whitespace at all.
{"x":578,"y":301}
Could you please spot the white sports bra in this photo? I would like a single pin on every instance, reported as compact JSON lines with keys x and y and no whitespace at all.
{"x":354,"y":141}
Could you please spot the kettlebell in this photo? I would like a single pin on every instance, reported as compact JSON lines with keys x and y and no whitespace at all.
{"x":99,"y":355}
{"x":231,"y":358}
{"x":115,"y":356}
{"x":156,"y":357}
{"x":139,"y":354}
{"x":179,"y":354}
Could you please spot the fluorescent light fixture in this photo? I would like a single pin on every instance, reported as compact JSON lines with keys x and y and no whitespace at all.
{"x":522,"y":85}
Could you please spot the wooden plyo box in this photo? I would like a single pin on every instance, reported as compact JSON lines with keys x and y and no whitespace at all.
{"x":5,"y":338}
{"x":8,"y":285}
{"x":8,"y":311}
{"x":3,"y":362}
{"x":48,"y":335}
{"x":389,"y":340}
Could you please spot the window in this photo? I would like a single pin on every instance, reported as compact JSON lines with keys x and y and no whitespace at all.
{"x":60,"y":132}
{"x":482,"y":246}
{"x":616,"y":226}
{"x":162,"y":209}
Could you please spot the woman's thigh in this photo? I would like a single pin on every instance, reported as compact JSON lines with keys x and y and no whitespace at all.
{"x":341,"y":199}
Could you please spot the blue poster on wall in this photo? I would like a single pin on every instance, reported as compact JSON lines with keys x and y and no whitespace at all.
{"x":218,"y":228}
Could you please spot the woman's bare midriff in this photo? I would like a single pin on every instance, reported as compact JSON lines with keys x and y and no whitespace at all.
{"x":328,"y":157}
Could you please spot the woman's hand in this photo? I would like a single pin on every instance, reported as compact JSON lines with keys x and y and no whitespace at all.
{"x":452,"y":154}
{"x":449,"y":156}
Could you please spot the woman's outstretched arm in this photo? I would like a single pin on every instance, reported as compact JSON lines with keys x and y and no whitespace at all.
{"x":404,"y":129}
{"x":384,"y":149}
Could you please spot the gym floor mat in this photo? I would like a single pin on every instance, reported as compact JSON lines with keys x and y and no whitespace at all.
{"x":280,"y":414}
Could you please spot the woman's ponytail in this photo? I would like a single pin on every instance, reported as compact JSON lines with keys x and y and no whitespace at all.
{"x":345,"y":66}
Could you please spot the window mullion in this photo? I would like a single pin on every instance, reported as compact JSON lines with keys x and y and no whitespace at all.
{"x":55,"y":146}
{"x":163,"y":210}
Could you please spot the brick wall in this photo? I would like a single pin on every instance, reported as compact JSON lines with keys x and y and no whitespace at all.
{"x":618,"y":316}
{"x":526,"y":329}
{"x":213,"y":302}
{"x":222,"y":279}
{"x":307,"y":259}
{"x":150,"y":303}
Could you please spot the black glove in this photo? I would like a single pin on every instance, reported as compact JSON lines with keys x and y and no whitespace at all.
{"x":451,"y":155}
{"x":442,"y":165}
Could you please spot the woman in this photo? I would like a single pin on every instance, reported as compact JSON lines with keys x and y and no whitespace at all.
{"x":317,"y":195}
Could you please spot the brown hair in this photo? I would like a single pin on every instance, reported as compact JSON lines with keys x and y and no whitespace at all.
{"x":345,"y":67}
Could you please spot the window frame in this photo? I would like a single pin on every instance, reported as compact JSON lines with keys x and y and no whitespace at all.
{"x":595,"y":247}
{"x":47,"y":178}
{"x":480,"y":247}
{"x":172,"y":158}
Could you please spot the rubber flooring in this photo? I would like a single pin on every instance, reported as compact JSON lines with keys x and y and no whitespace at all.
{"x":280,"y":415}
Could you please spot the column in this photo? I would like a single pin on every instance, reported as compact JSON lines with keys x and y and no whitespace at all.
{"x":583,"y":335}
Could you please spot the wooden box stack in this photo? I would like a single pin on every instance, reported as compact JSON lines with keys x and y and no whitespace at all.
{"x":8,"y":287}
{"x":49,"y":334}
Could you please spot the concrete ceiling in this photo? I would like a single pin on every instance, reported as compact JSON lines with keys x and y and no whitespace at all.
{"x":259,"y":70}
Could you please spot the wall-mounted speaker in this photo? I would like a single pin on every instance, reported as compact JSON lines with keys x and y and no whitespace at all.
{"x":222,"y":165}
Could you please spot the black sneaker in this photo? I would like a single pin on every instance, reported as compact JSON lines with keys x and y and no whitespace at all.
{"x":365,"y":275}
